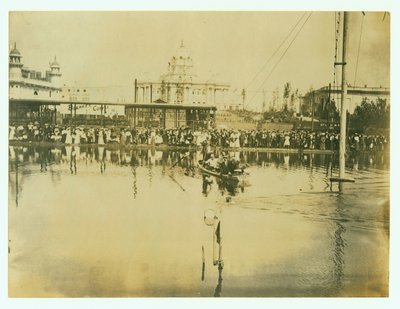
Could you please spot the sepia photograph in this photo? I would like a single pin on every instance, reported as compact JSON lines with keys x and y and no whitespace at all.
{"x":198,"y":153}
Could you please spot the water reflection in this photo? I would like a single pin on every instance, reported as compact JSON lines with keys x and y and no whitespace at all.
{"x":43,"y":156}
{"x":339,"y":244}
{"x":231,"y":186}
{"x":134,"y":184}
{"x":285,"y":231}
{"x":184,"y":159}
{"x":101,"y":159}
{"x":206,"y":185}
{"x":72,"y":165}
{"x":218,"y":288}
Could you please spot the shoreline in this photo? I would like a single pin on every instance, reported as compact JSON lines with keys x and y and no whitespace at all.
{"x":187,"y":148}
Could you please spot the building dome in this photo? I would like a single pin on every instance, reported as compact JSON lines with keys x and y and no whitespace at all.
{"x":54,"y":64}
{"x":182,"y":52}
{"x":15,"y":52}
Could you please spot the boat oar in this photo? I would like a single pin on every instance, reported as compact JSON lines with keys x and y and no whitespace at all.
{"x":180,"y":160}
{"x":183,"y":189}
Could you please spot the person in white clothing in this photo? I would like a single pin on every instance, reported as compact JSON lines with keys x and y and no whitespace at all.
{"x":286,"y":144}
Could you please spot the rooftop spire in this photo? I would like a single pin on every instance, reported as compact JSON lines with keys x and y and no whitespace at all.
{"x":182,"y":43}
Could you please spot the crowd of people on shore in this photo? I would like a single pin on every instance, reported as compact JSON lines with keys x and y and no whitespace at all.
{"x":294,"y":139}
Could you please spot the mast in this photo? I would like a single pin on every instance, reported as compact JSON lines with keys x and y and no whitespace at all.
{"x":343,"y":109}
{"x":343,"y":105}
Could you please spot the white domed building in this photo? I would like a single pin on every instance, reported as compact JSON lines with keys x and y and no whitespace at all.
{"x":192,"y":101}
{"x":31,"y":93}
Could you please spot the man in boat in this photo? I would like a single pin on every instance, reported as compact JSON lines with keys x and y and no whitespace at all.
{"x":223,"y":165}
{"x":205,"y":149}
{"x":232,"y":165}
{"x":212,"y":162}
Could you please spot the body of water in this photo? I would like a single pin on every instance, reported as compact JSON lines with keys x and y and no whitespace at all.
{"x":99,"y":222}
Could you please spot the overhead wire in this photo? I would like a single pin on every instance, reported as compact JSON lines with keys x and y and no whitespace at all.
{"x":276,"y":50}
{"x":281,"y":57}
{"x":359,"y":46}
{"x":337,"y":39}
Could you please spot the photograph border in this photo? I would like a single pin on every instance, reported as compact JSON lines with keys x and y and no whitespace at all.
{"x":249,"y":5}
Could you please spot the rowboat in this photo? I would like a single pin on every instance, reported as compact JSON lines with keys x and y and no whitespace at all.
{"x":230,"y":176}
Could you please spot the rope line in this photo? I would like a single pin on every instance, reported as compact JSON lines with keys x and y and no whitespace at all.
{"x":358,"y":53}
{"x":284,"y":53}
{"x":278,"y":48}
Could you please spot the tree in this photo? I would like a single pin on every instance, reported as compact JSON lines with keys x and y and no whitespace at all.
{"x":287,"y":89}
{"x":294,"y":96}
{"x":328,"y":112}
{"x":371,"y":114}
{"x":275,"y":97}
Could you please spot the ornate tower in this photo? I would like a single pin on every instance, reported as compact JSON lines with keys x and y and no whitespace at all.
{"x":180,"y":68}
{"x":55,"y":74}
{"x":15,"y":64}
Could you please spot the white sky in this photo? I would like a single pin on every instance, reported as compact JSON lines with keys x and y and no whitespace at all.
{"x":112,"y":48}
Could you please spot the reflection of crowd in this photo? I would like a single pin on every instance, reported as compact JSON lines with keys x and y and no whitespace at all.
{"x":296,"y":139}
{"x":91,"y":154}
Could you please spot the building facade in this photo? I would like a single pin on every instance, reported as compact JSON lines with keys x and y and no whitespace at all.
{"x":180,"y":85}
{"x":25,"y":83}
{"x":92,"y":102}
{"x":29,"y":87}
{"x":178,"y":98}
{"x":318,"y":99}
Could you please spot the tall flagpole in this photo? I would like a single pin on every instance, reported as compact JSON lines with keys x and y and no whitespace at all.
{"x":343,"y":106}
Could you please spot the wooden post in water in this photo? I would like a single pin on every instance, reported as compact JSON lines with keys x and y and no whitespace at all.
{"x":343,"y":110}
{"x":343,"y":105}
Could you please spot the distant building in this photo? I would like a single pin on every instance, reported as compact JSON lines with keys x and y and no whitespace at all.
{"x":93,"y":101}
{"x":25,"y":83}
{"x":35,"y":92}
{"x":180,"y":85}
{"x":318,"y":99}
{"x":178,"y":98}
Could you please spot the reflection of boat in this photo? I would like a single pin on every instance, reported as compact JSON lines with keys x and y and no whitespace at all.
{"x":228,"y":176}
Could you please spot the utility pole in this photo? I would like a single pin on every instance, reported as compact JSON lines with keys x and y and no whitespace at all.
{"x":263,"y":104}
{"x":343,"y":107}
{"x":312,"y":112}
{"x":329,"y":108}
{"x":243,"y":98}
